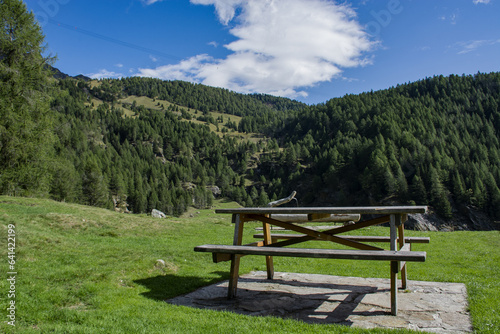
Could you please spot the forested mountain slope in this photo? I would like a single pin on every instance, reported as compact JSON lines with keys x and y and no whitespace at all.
{"x":432,"y":142}
{"x":260,"y":111}
{"x":156,"y":159}
{"x":435,"y":141}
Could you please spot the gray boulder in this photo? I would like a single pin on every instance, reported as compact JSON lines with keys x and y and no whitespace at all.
{"x":157,"y":214}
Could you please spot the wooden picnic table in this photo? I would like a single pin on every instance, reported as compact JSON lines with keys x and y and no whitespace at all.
{"x":292,"y":218}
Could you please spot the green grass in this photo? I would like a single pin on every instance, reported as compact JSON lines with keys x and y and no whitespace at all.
{"x":88,"y":270}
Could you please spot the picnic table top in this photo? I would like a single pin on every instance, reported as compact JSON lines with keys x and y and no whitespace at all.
{"x":328,"y":210}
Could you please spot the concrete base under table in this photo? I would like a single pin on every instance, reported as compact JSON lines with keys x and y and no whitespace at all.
{"x":350,"y":301}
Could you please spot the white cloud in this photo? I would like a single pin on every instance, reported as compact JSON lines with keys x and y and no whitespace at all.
{"x":466,"y":47}
{"x":453,"y":17}
{"x":281,"y":46}
{"x":103,"y":73}
{"x":119,"y":65}
{"x":481,"y":1}
{"x":226,"y":9}
{"x":186,"y":70}
{"x":149,"y":2}
{"x":350,"y":79}
{"x":153,"y":58}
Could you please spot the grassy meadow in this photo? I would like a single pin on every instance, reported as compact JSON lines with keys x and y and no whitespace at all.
{"x":88,"y":270}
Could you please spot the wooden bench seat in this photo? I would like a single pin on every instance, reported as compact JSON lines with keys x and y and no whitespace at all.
{"x":361,"y":238}
{"x":383,"y":255}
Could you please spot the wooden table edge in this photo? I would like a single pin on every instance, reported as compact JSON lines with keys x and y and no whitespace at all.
{"x":382,"y":210}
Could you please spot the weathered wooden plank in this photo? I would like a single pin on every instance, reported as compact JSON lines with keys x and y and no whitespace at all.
{"x":335,"y":230}
{"x":313,"y":234}
{"x":403,"y":246}
{"x":360,"y":225}
{"x":394,"y":222}
{"x":267,"y":241}
{"x":394,"y":289}
{"x":238,"y":221}
{"x":384,"y":210}
{"x":363,"y":238}
{"x":402,"y":265}
{"x":223,"y":257}
{"x":321,"y":227}
{"x":349,"y":254}
{"x":311,"y":218}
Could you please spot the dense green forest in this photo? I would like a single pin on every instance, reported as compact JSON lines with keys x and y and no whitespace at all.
{"x":435,"y":141}
{"x":155,"y":160}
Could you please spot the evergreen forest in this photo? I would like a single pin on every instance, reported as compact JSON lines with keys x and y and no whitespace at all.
{"x":139,"y":144}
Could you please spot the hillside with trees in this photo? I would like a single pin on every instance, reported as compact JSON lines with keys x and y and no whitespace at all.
{"x":430,"y":142}
{"x":434,"y":141}
{"x":134,"y":144}
{"x":155,"y":160}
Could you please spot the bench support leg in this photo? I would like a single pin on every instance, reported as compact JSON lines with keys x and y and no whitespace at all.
{"x":235,"y":259}
{"x":269,"y":259}
{"x":394,"y":287}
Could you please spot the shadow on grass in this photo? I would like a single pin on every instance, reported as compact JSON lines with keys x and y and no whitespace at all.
{"x":164,"y":287}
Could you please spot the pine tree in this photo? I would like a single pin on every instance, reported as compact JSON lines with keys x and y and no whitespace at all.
{"x":26,"y":135}
{"x":438,"y":195}
{"x":94,"y":187}
{"x":418,"y":191}
{"x":263,"y":199}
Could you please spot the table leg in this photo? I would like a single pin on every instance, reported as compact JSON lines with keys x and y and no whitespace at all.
{"x":269,"y":259}
{"x":233,"y":276}
{"x":235,"y":259}
{"x":395,"y":222}
{"x":394,"y":288}
{"x":401,"y":239}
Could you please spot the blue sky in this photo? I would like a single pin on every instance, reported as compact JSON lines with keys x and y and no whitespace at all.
{"x":309,"y":50}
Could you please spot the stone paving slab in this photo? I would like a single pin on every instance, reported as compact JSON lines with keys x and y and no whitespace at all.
{"x":350,"y":301}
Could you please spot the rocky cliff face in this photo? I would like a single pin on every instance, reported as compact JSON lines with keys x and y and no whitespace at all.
{"x":467,"y":219}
